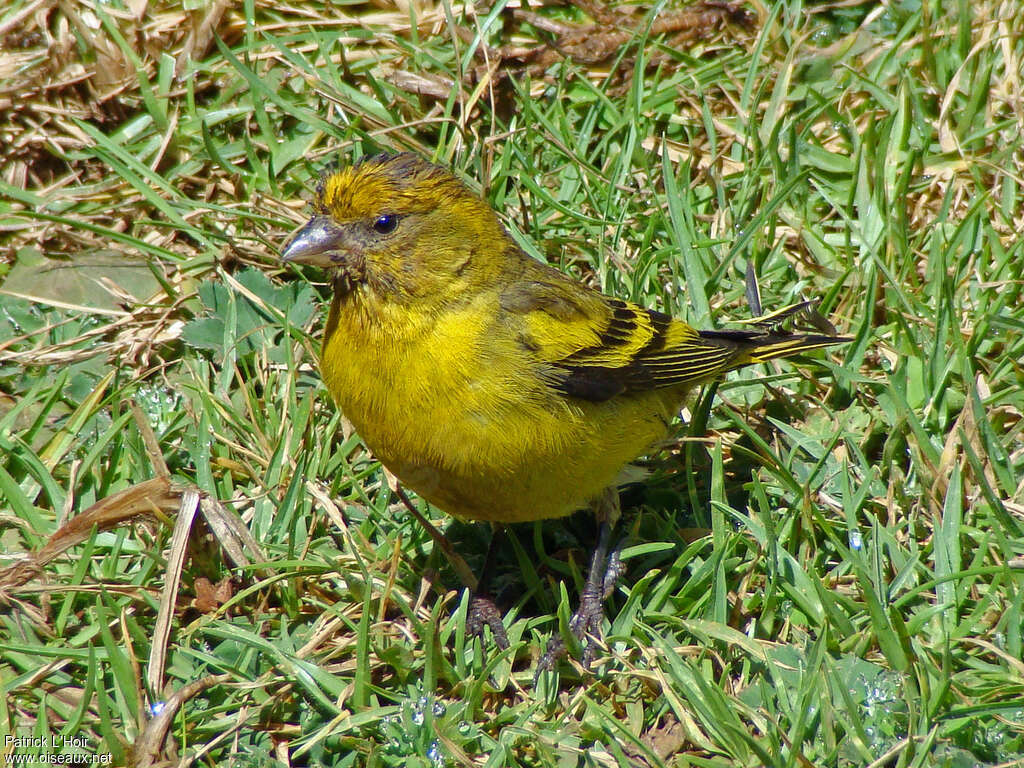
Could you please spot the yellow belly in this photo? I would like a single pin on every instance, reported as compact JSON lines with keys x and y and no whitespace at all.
{"x":502,"y":474}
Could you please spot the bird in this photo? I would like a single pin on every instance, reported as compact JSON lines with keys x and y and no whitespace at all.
{"x":495,"y":386}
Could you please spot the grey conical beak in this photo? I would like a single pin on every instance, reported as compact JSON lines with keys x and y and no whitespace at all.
{"x":319,"y":244}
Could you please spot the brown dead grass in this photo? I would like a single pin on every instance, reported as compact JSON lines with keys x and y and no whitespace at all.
{"x":62,"y":62}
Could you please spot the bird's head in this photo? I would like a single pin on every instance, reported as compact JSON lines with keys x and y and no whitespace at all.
{"x":401,"y":226}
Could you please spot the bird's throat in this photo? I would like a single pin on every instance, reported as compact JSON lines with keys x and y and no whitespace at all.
{"x":345,"y":282}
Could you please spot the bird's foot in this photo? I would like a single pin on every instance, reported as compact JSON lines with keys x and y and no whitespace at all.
{"x":484,"y":613}
{"x":585,"y":623}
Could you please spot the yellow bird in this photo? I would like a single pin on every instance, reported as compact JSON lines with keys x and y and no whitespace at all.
{"x":495,"y":386}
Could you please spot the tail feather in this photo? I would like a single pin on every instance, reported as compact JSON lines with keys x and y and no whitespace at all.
{"x":761,"y":346}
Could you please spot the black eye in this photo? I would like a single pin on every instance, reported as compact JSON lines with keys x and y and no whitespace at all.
{"x":386,"y":223}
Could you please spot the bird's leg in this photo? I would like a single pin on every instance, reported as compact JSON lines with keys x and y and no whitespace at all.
{"x":604,"y":570}
{"x":586,"y":622}
{"x":482,"y":610}
{"x":458,"y":563}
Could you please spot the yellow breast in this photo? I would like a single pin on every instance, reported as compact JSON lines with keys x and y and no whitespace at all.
{"x":459,"y":412}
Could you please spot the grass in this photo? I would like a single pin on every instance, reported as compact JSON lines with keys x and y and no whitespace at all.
{"x":825,"y":567}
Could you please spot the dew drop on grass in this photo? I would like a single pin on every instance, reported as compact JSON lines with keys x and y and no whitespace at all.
{"x":435,"y":755}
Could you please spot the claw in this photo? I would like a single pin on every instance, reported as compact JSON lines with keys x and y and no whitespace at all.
{"x":484,"y":613}
{"x":585,"y":624}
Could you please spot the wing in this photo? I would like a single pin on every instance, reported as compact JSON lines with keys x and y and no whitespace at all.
{"x":595,"y":347}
